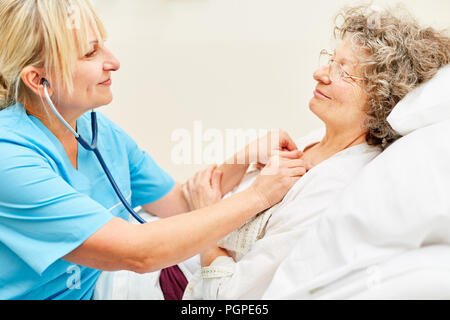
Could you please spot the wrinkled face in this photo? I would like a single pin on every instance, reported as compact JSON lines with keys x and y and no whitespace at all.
{"x":91,"y":80}
{"x":340,"y":104}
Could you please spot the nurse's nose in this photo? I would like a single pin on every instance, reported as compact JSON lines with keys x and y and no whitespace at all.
{"x":111,"y":62}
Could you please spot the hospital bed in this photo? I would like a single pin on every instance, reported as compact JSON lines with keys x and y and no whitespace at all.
{"x":417,"y":222}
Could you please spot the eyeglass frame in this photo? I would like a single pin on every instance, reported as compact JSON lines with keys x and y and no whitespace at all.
{"x":343,"y":74}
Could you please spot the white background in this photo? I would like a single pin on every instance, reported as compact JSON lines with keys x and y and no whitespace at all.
{"x":228,"y":63}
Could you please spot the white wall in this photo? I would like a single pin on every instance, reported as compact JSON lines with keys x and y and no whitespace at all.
{"x":228,"y":63}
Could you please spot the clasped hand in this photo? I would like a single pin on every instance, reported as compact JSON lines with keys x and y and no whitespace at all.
{"x":276,"y":153}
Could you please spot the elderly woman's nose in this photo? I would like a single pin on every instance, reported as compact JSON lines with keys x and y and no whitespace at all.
{"x":323,"y":74}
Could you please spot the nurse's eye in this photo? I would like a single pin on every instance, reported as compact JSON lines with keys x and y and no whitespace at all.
{"x":93,"y":51}
{"x":90,"y":54}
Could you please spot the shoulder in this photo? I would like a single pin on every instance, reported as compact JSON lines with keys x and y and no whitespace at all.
{"x":18,"y":131}
{"x":12,"y":120}
{"x":345,"y":165}
{"x":359,"y":155}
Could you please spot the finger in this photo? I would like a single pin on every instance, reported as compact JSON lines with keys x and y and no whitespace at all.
{"x":186,"y":195}
{"x":294,"y":180}
{"x":286,"y":142}
{"x":190,"y":185}
{"x":297,"y":172}
{"x":294,"y":163}
{"x":295,"y":154}
{"x":208,"y":174}
{"x":216,"y":179}
{"x":204,"y":176}
{"x":210,"y":170}
{"x":196,"y":179}
{"x":184,"y":190}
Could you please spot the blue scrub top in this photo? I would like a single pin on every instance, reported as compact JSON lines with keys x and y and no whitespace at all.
{"x":48,"y":208}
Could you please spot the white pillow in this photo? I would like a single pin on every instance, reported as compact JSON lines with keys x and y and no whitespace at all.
{"x":400,"y":201}
{"x":425,"y":105}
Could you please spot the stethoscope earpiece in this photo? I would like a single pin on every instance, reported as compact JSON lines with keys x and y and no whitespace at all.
{"x":44,"y":82}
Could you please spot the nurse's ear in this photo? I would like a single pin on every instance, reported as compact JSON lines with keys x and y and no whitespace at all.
{"x":32,"y":77}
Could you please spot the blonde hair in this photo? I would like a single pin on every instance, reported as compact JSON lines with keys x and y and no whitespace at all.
{"x":401,"y":55}
{"x":47,"y":34}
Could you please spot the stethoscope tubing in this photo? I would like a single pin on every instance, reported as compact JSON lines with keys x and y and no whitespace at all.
{"x":92,"y":147}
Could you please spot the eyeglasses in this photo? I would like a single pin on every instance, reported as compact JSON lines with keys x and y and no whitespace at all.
{"x":336,"y":71}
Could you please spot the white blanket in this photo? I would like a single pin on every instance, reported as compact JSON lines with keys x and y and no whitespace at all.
{"x":260,"y":246}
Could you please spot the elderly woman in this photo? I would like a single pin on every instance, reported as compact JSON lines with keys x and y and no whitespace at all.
{"x":60,"y":221}
{"x":379,"y":60}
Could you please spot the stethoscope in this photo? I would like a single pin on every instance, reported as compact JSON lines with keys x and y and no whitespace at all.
{"x":92,"y":147}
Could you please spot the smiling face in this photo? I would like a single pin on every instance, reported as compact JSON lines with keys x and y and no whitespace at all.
{"x":91,"y":80}
{"x":340,"y":104}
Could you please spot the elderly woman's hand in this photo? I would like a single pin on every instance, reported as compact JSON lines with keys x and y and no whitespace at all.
{"x":275,"y":143}
{"x":203,"y":189}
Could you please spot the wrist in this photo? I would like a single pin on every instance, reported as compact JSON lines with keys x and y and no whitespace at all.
{"x":259,"y":200}
{"x":212,"y":253}
{"x":243,"y":157}
{"x":232,"y":175}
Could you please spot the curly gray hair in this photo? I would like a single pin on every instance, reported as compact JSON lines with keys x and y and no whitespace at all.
{"x":400,"y":56}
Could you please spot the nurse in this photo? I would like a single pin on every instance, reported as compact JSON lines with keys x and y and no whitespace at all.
{"x":60,"y":220}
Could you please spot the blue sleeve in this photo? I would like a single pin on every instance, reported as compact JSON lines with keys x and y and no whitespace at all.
{"x":42,"y":218}
{"x":149,"y":182}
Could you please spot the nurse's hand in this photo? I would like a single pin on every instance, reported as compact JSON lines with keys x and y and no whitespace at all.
{"x":276,"y":142}
{"x":203,"y":189}
{"x":278,"y":177}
